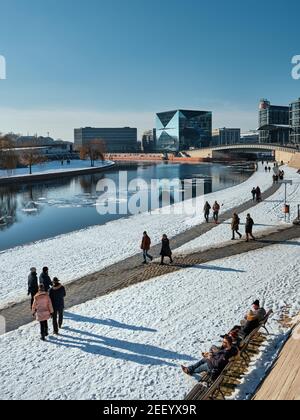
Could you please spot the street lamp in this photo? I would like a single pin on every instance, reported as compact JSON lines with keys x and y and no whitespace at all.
{"x":286,"y":207}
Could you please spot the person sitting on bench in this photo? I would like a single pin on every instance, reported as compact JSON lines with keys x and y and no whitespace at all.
{"x":253,"y":319}
{"x":215,"y":361}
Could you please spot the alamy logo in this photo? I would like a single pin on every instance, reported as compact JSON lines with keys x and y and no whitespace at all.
{"x":296,"y":69}
{"x":2,"y":68}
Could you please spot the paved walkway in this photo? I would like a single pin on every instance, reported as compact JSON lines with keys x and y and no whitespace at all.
{"x":131,"y":271}
{"x":283,"y":382}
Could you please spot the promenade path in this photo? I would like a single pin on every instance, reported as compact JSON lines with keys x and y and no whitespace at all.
{"x":283,"y":382}
{"x":131,"y":271}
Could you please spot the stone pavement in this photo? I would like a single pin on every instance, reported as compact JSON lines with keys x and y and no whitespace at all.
{"x":131,"y":271}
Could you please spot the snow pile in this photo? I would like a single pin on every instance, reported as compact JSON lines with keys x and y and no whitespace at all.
{"x":129,"y":345}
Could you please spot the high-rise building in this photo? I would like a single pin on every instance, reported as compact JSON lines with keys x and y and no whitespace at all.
{"x":295,"y":122}
{"x":116,"y":140}
{"x":149,"y":141}
{"x":226,"y":136}
{"x":274,"y":123}
{"x":182,"y":130}
{"x":250,"y":137}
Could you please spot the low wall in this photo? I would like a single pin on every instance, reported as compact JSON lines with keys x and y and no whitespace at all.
{"x":295,"y":161}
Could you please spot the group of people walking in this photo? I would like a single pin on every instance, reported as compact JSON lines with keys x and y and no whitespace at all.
{"x":165,"y":249}
{"x":216,"y":211}
{"x":235,"y":227}
{"x":47,"y":300}
{"x":256,"y":194}
{"x":218,"y":357}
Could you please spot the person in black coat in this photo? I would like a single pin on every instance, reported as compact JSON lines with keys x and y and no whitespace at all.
{"x":249,"y":227}
{"x":57,"y":295}
{"x":33,"y":286}
{"x":45,"y":279}
{"x":165,"y":250}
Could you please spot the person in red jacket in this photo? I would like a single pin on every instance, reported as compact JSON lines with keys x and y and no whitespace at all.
{"x":145,"y":246}
{"x":42,"y":309}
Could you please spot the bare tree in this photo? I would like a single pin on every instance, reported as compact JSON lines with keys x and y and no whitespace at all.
{"x":8,"y":155}
{"x":32,"y":157}
{"x":94,"y":151}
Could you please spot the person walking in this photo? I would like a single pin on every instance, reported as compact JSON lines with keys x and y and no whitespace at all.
{"x":235,"y":225}
{"x":165,"y":250}
{"x":145,"y":246}
{"x":249,"y":228}
{"x":258,"y":194}
{"x":57,"y":295}
{"x":216,"y":211}
{"x":33,"y":287}
{"x":45,"y":279}
{"x":253,"y":192}
{"x":207,"y":208}
{"x":42,"y":309}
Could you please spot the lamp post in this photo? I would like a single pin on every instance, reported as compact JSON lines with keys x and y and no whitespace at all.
{"x":286,"y":183}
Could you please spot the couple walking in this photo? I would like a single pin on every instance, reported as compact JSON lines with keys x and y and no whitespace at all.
{"x":165,"y":249}
{"x":235,"y":226}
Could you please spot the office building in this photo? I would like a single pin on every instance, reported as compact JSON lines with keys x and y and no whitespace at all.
{"x":274,"y":123}
{"x":116,"y":140}
{"x":295,"y":122}
{"x":181,"y":130}
{"x":149,"y":141}
{"x":226,"y":136}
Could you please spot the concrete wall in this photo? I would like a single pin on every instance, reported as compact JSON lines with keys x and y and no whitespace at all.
{"x":295,"y":161}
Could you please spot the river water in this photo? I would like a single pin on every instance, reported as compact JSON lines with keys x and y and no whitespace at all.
{"x":32,"y":212}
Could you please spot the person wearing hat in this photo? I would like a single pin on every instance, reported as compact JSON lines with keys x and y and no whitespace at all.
{"x":42,"y":309}
{"x":33,"y":287}
{"x":57,"y":295}
{"x":253,"y":319}
{"x":215,"y":361}
{"x":45,"y":279}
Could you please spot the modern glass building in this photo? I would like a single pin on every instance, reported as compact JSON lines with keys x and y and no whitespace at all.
{"x":182,"y":130}
{"x":295,"y":122}
{"x":274,"y":123}
{"x":226,"y":136}
{"x":116,"y":140}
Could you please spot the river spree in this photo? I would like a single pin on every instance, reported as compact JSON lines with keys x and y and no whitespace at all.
{"x":36,"y":211}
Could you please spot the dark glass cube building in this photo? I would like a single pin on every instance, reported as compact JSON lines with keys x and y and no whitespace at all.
{"x":182,"y":129}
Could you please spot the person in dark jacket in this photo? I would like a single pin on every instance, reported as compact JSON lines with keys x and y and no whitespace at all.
{"x":253,"y":319}
{"x":33,"y":286}
{"x":249,"y":228}
{"x":57,"y":295}
{"x":216,"y":211}
{"x":206,"y":209}
{"x":214,"y":362}
{"x":258,"y":194}
{"x":235,"y":225}
{"x":45,"y":279}
{"x":253,"y":192}
{"x":165,"y":250}
{"x":145,"y":246}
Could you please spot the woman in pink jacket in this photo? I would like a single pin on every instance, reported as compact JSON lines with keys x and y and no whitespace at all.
{"x":42,"y":309}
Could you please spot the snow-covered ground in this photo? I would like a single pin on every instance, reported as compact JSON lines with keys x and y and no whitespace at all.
{"x":53,"y":167}
{"x":130,"y":344}
{"x":266,"y":215}
{"x":75,"y":255}
{"x":86,"y":251}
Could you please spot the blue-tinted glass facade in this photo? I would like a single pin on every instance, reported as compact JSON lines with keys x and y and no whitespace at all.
{"x":181,"y":130}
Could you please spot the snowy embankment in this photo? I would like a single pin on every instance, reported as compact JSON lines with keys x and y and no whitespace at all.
{"x":54,"y":167}
{"x":75,"y":255}
{"x":127,"y":345}
{"x":266,"y":215}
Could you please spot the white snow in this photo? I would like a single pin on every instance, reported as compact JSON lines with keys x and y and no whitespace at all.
{"x":130,"y":344}
{"x":266,"y":215}
{"x":54,"y":167}
{"x":86,"y":251}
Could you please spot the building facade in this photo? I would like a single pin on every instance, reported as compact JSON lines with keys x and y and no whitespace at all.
{"x":182,"y":130}
{"x":226,"y":136}
{"x":149,"y":141}
{"x":116,"y":140}
{"x":295,"y":122}
{"x":250,"y":137}
{"x":274,"y":123}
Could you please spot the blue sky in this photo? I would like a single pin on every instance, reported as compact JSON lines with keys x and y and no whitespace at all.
{"x":73,"y":63}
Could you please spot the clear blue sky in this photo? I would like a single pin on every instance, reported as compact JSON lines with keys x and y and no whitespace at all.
{"x":74,"y":63}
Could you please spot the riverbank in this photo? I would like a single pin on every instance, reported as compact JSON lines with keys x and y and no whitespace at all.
{"x":49,"y":174}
